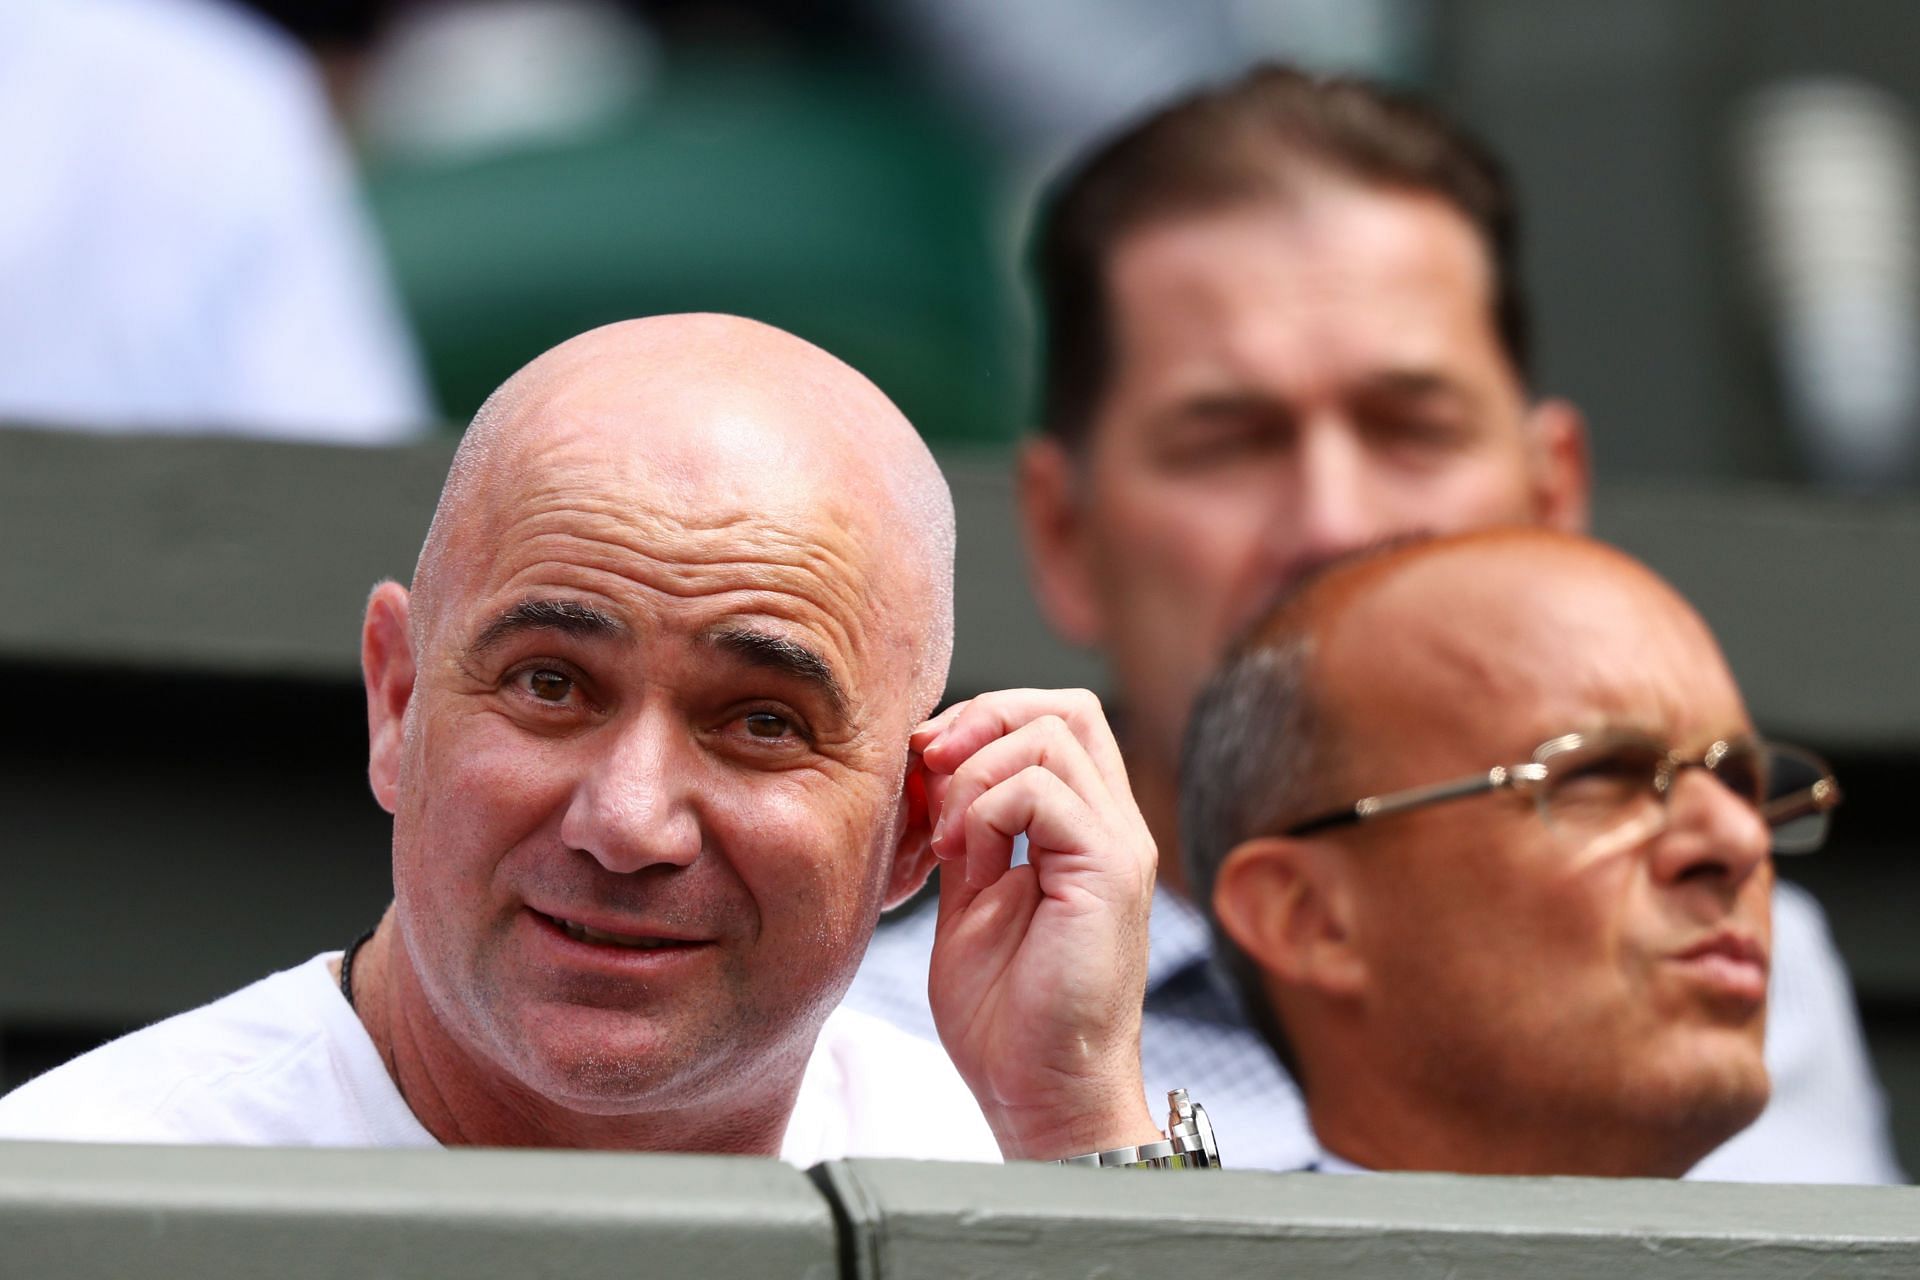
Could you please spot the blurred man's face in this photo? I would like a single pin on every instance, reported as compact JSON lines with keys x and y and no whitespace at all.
{"x":1545,"y":978}
{"x":1289,"y":383}
{"x":652,"y":775}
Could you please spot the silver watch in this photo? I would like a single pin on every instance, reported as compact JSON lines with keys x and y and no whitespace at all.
{"x":1188,"y":1143}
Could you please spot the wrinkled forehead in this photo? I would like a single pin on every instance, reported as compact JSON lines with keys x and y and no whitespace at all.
{"x":736,"y":515}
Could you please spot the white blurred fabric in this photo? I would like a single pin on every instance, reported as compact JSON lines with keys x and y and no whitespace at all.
{"x":1832,"y":177}
{"x":181,"y":247}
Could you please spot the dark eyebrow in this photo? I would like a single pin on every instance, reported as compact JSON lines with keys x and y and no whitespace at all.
{"x":1229,"y":407}
{"x":569,"y":616}
{"x":780,"y":654}
{"x":1224,"y":404}
{"x":1420,"y":383}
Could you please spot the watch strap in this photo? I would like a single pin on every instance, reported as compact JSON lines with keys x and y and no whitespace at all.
{"x":1187,"y":1144}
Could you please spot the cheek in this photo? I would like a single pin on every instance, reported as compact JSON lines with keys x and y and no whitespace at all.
{"x":480,"y":789}
{"x":1585,"y":918}
{"x":809,"y":846}
{"x":1178,"y":555}
{"x":1508,"y":925}
{"x":1489,"y":488}
{"x":1756,"y":904}
{"x":1589,"y":973}
{"x":1141,"y":506}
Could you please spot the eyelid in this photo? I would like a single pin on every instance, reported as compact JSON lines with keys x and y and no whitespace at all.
{"x":799,"y":731}
{"x":1206,"y":443}
{"x":545,"y":662}
{"x":1420,"y":427}
{"x":582,"y":690}
{"x":779,"y":711}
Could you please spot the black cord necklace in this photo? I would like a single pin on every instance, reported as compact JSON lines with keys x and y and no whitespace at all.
{"x":346,"y":990}
{"x":346,"y":964}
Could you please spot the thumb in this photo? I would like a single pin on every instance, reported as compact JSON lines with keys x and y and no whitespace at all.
{"x":956,"y":895}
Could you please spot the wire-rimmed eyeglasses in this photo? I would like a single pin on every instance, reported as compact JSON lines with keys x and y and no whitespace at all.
{"x":1587,"y":784}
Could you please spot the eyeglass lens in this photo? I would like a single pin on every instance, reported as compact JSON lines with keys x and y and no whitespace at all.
{"x":1594,"y":788}
{"x":1793,"y":807}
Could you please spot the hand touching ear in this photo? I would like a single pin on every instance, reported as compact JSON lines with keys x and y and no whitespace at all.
{"x":1039,"y":971}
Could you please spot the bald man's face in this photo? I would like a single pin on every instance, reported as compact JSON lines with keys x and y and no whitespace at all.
{"x":651,"y":783}
{"x":1523,"y":973}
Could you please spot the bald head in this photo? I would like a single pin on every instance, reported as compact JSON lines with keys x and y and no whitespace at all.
{"x":643,"y":723}
{"x":1482,"y":967}
{"x":1483,"y":610}
{"x":1467,"y":602}
{"x":707,"y":416}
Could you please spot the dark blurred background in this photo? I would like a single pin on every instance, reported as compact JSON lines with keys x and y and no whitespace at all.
{"x":1721,"y":214}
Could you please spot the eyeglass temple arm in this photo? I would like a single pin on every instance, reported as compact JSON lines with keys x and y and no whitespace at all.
{"x":1818,"y":798}
{"x":1414,"y":797}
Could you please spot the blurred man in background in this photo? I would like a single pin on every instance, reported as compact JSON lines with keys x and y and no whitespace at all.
{"x":181,"y":247}
{"x":1527,"y":939}
{"x":1283,"y":321}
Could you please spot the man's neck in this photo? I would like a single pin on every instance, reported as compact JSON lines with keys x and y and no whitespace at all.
{"x":464,"y":1100}
{"x":1156,"y":789}
{"x":1382,"y":1125}
{"x":1334,"y":1162}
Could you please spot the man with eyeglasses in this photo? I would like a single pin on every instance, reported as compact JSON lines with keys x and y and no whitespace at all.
{"x":1284,"y":319}
{"x":1483,"y":829}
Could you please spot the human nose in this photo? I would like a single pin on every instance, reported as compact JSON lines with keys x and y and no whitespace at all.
{"x":1329,"y":512}
{"x":1711,"y":832}
{"x":632,"y":806}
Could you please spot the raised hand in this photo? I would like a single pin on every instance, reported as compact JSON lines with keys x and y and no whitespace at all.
{"x":1039,"y":971}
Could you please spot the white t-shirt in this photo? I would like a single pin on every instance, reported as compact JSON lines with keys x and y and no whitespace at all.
{"x":286,"y":1062}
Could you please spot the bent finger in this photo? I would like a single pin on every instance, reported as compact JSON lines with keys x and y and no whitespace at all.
{"x":994,"y":715}
{"x":1046,"y":743}
{"x":1060,"y":827}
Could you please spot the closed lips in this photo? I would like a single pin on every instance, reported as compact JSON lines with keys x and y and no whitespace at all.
{"x":1730,"y":947}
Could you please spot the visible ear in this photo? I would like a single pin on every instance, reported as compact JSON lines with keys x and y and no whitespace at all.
{"x":387,"y":666}
{"x":913,"y":856}
{"x":1562,"y":471}
{"x":1053,"y":522}
{"x":1289,"y":907}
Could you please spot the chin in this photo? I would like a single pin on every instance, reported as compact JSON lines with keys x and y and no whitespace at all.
{"x":611,"y":1056}
{"x":605,"y":1064}
{"x":613,"y":1083}
{"x":1714,"y":1099}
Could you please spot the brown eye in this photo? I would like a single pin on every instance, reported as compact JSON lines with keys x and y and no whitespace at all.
{"x":549,"y":686}
{"x":765,"y":724}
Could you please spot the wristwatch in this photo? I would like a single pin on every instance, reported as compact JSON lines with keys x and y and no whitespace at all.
{"x":1188,"y":1143}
